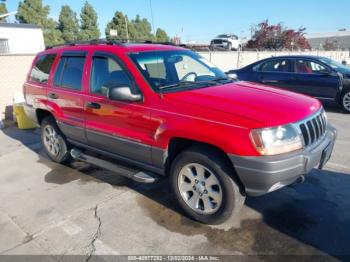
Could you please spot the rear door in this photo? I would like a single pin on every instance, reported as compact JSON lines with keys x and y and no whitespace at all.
{"x":277,"y":72}
{"x":65,"y":94}
{"x":316,"y":79}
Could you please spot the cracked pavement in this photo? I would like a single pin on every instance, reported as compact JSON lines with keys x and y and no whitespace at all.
{"x":57,"y":210}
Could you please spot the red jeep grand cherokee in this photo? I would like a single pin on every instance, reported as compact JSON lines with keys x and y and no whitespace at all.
{"x":170,"y":112}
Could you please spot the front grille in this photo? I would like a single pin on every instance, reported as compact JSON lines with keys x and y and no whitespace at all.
{"x":218,"y":42}
{"x":313,"y":128}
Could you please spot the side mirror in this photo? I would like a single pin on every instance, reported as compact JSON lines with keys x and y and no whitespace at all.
{"x":123,"y":93}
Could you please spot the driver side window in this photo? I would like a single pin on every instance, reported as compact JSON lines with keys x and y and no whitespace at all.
{"x":310,"y":67}
{"x":106,"y":72}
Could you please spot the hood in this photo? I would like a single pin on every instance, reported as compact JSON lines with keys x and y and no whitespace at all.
{"x":267,"y":105}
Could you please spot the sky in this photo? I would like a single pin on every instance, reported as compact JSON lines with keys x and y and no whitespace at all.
{"x":201,"y":20}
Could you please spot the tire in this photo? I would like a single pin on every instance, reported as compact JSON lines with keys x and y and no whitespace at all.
{"x":54,"y":142}
{"x":345,"y":101}
{"x":229,"y":47}
{"x":215,"y":164}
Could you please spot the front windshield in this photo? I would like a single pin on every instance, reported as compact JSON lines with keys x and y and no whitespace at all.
{"x":223,"y":36}
{"x":335,"y":65}
{"x":176,"y":68}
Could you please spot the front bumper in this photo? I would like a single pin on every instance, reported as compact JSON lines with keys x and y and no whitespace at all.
{"x":264,"y":174}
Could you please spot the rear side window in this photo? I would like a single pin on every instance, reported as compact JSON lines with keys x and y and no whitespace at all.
{"x":41,"y":70}
{"x":279,"y":65}
{"x":69,"y":72}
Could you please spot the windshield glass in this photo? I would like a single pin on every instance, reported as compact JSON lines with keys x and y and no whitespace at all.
{"x":335,"y":65}
{"x":223,"y":36}
{"x":176,"y":69}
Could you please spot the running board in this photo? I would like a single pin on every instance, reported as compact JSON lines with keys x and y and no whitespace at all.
{"x":140,"y":176}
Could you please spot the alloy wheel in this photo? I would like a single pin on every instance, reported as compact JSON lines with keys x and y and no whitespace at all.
{"x":346,"y":101}
{"x":51,"y":140}
{"x":200,"y":188}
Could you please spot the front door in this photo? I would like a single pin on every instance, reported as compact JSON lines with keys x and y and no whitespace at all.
{"x":315,"y":79}
{"x":120,"y":128}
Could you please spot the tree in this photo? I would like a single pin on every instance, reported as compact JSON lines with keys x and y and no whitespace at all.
{"x":119,"y":23}
{"x":161,"y":36}
{"x":52,"y":35}
{"x":34,"y":12}
{"x":68,"y":24}
{"x":89,"y":27}
{"x":141,"y":29}
{"x":3,"y":10}
{"x":277,"y":37}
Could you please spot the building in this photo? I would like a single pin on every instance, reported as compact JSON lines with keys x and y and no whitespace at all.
{"x":340,"y":40}
{"x":20,"y":39}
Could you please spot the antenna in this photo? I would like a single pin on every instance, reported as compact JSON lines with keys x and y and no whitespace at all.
{"x":151,"y":7}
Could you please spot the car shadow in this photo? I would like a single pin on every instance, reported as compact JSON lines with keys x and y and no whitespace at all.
{"x":309,"y":218}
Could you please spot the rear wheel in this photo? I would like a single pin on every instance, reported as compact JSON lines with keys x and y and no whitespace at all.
{"x":345,"y":101}
{"x":205,"y":186}
{"x":54,"y":142}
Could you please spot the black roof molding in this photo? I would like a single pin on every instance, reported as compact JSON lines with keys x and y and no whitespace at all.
{"x":18,"y":25}
{"x":120,"y":42}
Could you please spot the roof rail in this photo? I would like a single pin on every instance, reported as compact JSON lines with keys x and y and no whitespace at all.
{"x":109,"y":42}
{"x":90,"y":42}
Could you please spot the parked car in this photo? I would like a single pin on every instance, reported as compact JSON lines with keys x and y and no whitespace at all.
{"x":226,"y":41}
{"x":169,"y":112}
{"x":315,"y":76}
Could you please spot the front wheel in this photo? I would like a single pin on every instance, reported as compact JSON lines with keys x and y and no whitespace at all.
{"x":345,"y":101}
{"x":205,"y":186}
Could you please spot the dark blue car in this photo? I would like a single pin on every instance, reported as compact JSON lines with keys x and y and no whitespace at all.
{"x":315,"y":76}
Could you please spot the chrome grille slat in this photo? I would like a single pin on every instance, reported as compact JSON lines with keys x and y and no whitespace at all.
{"x":320,"y":127}
{"x":313,"y":129}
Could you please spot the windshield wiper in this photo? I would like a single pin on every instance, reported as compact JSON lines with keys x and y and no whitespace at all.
{"x":182,"y":84}
{"x":222,"y":79}
{"x":192,"y":83}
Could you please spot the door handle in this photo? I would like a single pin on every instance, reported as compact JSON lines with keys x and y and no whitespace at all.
{"x":53,"y":96}
{"x":93,"y":105}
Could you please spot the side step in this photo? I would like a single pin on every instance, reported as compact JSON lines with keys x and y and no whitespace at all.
{"x":141,"y":177}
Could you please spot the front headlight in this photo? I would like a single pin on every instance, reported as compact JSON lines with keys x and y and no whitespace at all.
{"x":276,"y":140}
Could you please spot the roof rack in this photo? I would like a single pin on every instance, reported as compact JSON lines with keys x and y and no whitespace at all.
{"x":118,"y":42}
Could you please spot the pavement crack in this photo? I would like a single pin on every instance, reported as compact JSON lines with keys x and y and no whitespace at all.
{"x":96,"y":234}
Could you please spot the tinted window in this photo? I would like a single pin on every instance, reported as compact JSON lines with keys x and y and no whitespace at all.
{"x":70,"y":72}
{"x":279,"y":65}
{"x":41,"y":70}
{"x":309,"y":67}
{"x":105,"y":73}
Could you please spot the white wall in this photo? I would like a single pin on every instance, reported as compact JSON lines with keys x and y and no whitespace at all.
{"x":23,"y":40}
{"x":233,"y":60}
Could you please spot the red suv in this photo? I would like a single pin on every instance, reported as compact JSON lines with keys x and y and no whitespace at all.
{"x":170,"y":112}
